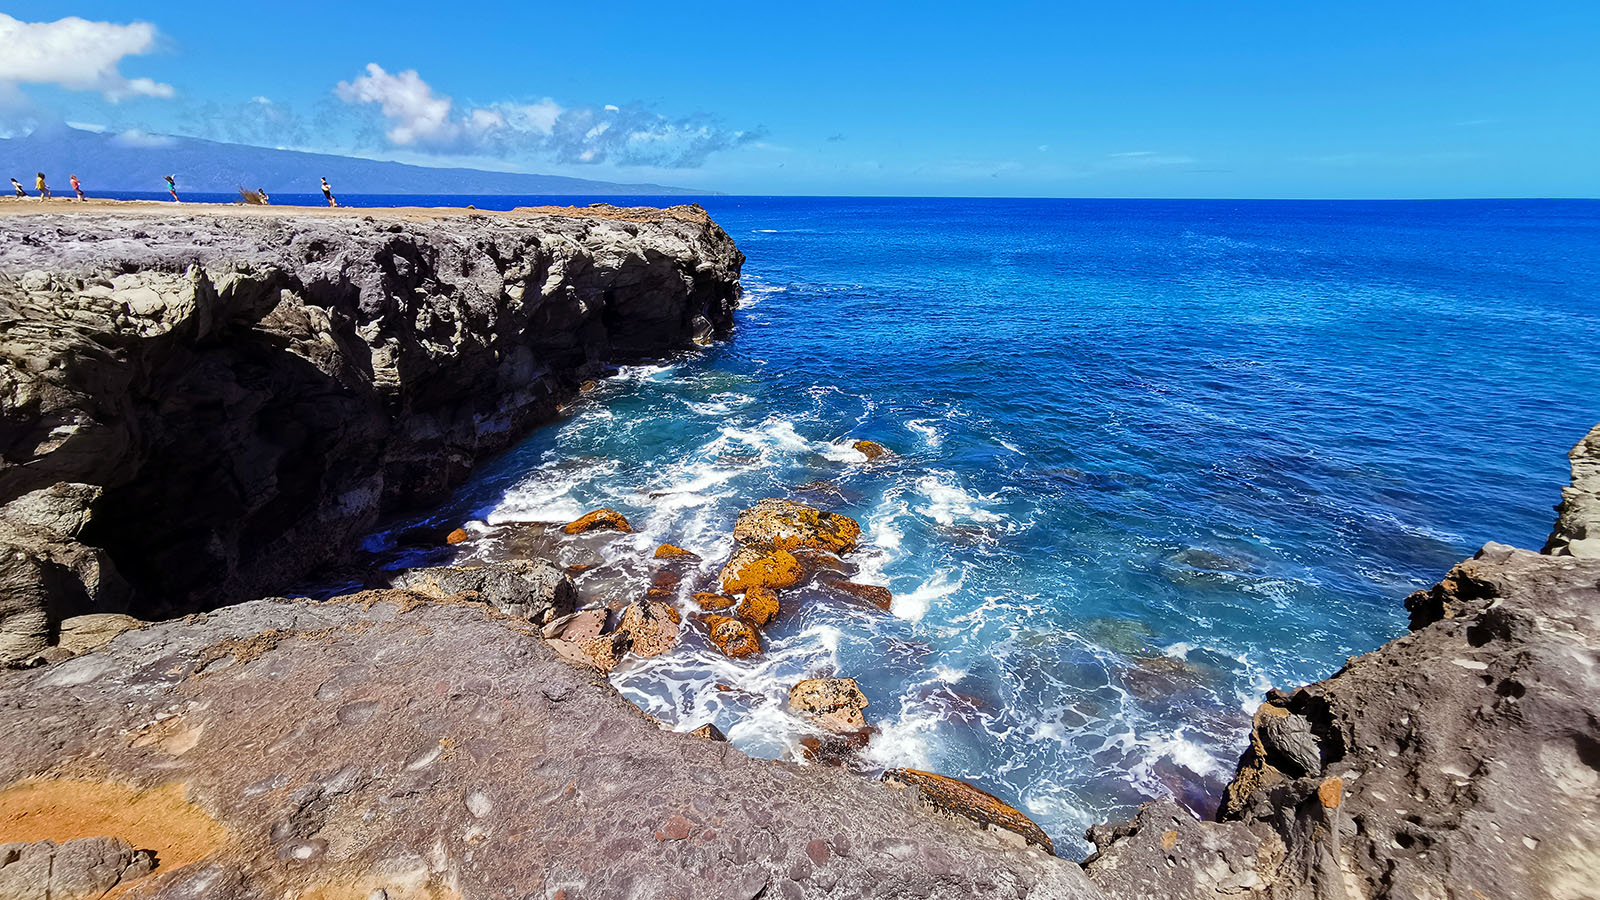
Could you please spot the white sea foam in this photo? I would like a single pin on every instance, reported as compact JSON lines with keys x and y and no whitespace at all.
{"x":949,"y":503}
{"x":926,"y":429}
{"x":914,"y":605}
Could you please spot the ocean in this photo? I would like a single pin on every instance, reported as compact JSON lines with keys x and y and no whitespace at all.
{"x":1150,"y":458}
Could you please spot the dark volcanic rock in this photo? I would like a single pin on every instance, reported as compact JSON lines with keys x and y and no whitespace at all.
{"x":381,"y":744}
{"x":537,"y":591}
{"x":245,"y":394}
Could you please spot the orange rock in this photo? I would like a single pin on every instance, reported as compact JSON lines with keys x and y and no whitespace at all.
{"x":651,"y":625}
{"x":788,"y":525}
{"x":711,"y":602}
{"x":600,"y":518}
{"x":673,"y":551}
{"x":588,"y":386}
{"x":709,"y":732}
{"x":1169,"y":839}
{"x":456,"y":537}
{"x":759,"y":606}
{"x":751,"y":567}
{"x":962,"y":799}
{"x":872,"y":593}
{"x":1331,"y":792}
{"x":734,"y":637}
{"x":870,"y":449}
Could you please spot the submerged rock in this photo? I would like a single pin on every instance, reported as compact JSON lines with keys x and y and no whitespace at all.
{"x":734,"y":637}
{"x":752,"y":567}
{"x":714,"y":602}
{"x":788,"y":525}
{"x":878,"y":596}
{"x":600,"y":519}
{"x":834,"y":703}
{"x":959,"y":798}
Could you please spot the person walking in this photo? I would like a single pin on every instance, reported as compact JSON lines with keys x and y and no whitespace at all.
{"x":77,"y":188}
{"x":172,"y":188}
{"x":328,"y":192}
{"x":44,"y":189}
{"x":17,"y":186}
{"x":262,"y":193}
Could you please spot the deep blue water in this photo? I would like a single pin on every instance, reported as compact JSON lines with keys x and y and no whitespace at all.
{"x":1153,"y":457}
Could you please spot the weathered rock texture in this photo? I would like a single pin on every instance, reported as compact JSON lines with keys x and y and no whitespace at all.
{"x":440,"y":750}
{"x":1577,"y":531}
{"x":203,"y":404}
{"x":1459,"y":761}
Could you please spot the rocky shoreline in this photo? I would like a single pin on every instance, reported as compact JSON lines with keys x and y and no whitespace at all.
{"x":199,"y":407}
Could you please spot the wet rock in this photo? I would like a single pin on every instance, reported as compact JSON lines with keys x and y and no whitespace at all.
{"x":833,"y":703}
{"x":664,"y":584}
{"x":734,"y":637}
{"x":959,"y":798}
{"x":870,"y":449}
{"x":605,"y":652}
{"x":600,"y":519}
{"x":759,"y":606}
{"x":82,"y":869}
{"x":874,"y":594}
{"x":672,"y":551}
{"x":652,"y":625}
{"x":710,"y":732}
{"x":457,"y":536}
{"x":788,"y":525}
{"x":754,"y":567}
{"x":713,"y":602}
{"x":537,"y":591}
{"x":578,"y":626}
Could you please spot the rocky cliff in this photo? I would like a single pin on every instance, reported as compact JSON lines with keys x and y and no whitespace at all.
{"x":1577,"y":531}
{"x":199,"y":404}
{"x":1459,"y":761}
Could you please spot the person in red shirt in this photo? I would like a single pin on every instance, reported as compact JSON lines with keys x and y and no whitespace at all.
{"x":76,"y":188}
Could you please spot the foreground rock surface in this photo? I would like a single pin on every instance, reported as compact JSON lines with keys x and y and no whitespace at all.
{"x":440,"y":750}
{"x":204,"y":404}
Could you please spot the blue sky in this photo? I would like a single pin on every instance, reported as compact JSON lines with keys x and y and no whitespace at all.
{"x":1154,"y":99}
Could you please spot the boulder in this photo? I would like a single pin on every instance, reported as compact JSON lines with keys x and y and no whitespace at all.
{"x":537,"y":591}
{"x":789,"y":525}
{"x":956,"y":797}
{"x":458,"y":536}
{"x":710,"y":732}
{"x":870,"y":449}
{"x":608,"y":519}
{"x":734,"y":637}
{"x":24,"y":606}
{"x":581,"y":625}
{"x":836,"y":704}
{"x":1165,"y":852}
{"x":672,"y":551}
{"x":714,"y":602}
{"x":651,"y":625}
{"x":874,"y":594}
{"x":754,"y":567}
{"x":759,"y":606}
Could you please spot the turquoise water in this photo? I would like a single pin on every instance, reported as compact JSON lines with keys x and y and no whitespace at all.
{"x":1151,"y":458}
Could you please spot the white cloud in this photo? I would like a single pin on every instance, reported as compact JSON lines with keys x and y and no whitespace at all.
{"x":418,"y":118}
{"x":134,"y":137}
{"x":76,"y":54}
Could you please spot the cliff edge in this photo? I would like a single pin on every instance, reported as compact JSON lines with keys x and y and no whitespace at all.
{"x":198,"y":404}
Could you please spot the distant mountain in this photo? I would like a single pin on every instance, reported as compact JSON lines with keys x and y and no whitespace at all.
{"x":108,"y":162}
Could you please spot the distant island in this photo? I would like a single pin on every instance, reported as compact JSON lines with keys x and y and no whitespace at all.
{"x":111,"y":162}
